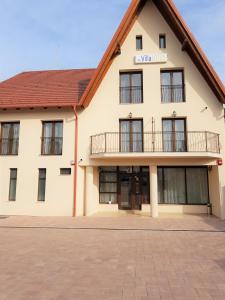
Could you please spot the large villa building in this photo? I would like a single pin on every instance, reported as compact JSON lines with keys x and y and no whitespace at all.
{"x":143,"y":132}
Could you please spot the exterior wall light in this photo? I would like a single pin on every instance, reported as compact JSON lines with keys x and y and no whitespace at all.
{"x":130,"y":115}
{"x":174,"y":114}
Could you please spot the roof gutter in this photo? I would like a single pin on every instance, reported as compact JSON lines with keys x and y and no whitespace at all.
{"x":75,"y":162}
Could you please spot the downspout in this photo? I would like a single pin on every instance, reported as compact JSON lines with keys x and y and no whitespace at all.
{"x":75,"y":162}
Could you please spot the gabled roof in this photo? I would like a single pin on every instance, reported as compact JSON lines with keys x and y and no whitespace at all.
{"x":45,"y":88}
{"x":177,"y":24}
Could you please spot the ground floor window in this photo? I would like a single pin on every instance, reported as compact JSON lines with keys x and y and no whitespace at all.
{"x":127,"y":186}
{"x":183,"y":185}
{"x":41,"y":184}
{"x":12,"y":184}
{"x":108,"y":185}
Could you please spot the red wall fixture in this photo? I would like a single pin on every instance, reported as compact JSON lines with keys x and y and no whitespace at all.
{"x":219,"y":162}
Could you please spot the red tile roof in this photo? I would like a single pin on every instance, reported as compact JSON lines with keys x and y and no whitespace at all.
{"x":45,"y":88}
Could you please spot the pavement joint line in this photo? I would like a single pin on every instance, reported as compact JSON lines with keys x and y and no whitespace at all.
{"x":113,"y":229}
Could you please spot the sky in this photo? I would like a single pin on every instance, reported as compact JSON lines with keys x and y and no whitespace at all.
{"x":65,"y":34}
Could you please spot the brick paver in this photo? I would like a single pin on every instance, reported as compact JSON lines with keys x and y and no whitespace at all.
{"x":112,"y":258}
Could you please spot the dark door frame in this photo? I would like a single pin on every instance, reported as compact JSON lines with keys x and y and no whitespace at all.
{"x":174,"y":132}
{"x":131,"y":133}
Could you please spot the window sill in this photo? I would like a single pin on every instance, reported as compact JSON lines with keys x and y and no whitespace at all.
{"x":131,"y":103}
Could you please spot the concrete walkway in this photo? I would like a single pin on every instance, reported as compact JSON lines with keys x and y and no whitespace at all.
{"x":128,"y":257}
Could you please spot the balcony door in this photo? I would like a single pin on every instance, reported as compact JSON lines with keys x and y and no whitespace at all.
{"x":131,"y":135}
{"x":174,"y":135}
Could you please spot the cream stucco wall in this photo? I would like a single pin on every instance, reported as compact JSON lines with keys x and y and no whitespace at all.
{"x":104,"y":112}
{"x":59,"y":189}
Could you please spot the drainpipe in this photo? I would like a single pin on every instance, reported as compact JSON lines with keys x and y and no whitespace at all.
{"x":75,"y":162}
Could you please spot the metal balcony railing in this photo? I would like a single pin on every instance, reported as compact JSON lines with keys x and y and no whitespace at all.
{"x":51,"y":146}
{"x":192,"y":141}
{"x":9,"y":146}
{"x":172,"y":93}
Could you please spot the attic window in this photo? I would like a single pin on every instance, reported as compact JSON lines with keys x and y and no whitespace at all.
{"x":162,"y":41}
{"x":139,"y":42}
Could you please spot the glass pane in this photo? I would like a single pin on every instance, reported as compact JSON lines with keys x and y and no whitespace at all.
{"x":41,"y":189}
{"x":42,"y":173}
{"x":12,"y":190}
{"x":145,"y":189}
{"x":125,"y":169}
{"x":108,"y":188}
{"x":166,"y":89}
{"x":124,"y":80}
{"x":137,"y":136}
{"x":178,"y":89}
{"x":197,"y":186}
{"x":108,"y":177}
{"x":162,"y":42}
{"x":177,"y":78}
{"x":15,"y":129}
{"x":165,"y":78}
{"x":125,"y":189}
{"x":160,"y":185}
{"x":59,"y":129}
{"x":167,"y":135}
{"x":136,"y":79}
{"x":136,"y":90}
{"x":180,"y":135}
{"x":125,"y":136}
{"x":108,"y":198}
{"x":108,"y":169}
{"x":139,"y":43}
{"x":174,"y":186}
{"x":47,"y":129}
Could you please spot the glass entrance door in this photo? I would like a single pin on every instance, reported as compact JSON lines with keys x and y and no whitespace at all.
{"x":133,"y":188}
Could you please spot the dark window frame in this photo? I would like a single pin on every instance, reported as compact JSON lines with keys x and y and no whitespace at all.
{"x":103,"y":182}
{"x":118,"y":172}
{"x":162,"y":37}
{"x":65,"y":171}
{"x":40,"y":178}
{"x":186,"y":188}
{"x":130,"y":87}
{"x":171,"y":85}
{"x":139,"y":39}
{"x":131,"y":134}
{"x":52,"y":148}
{"x":11,"y":179}
{"x":174,"y":132}
{"x":10,"y":138}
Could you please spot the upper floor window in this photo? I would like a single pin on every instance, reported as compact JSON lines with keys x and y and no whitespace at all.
{"x":131,"y":87}
{"x":162,"y":41}
{"x":9,"y":140}
{"x":172,"y":86}
{"x":139,"y":42}
{"x":52,"y":138}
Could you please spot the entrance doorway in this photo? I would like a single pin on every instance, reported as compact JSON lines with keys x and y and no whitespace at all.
{"x":133,"y":187}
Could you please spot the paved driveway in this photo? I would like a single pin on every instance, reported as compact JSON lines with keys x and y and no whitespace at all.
{"x":112,"y":258}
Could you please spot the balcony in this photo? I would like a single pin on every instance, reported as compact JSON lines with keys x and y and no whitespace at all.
{"x":157,"y":144}
{"x":51,"y":146}
{"x":172,"y":93}
{"x":9,"y":146}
